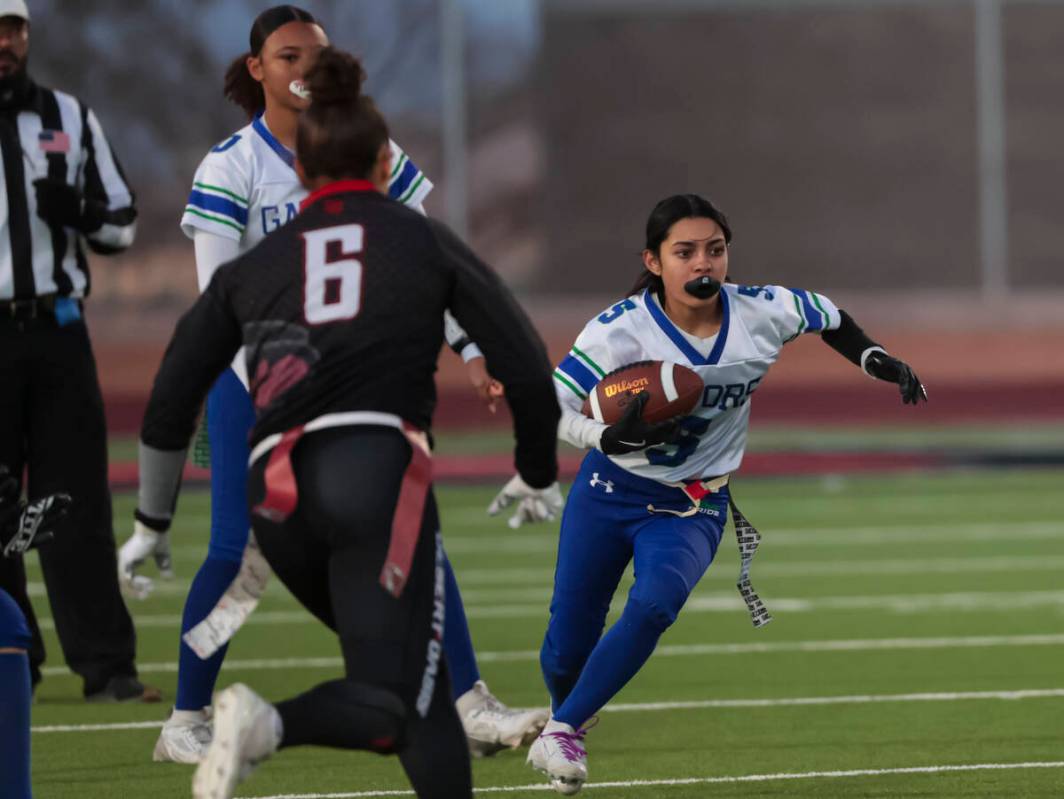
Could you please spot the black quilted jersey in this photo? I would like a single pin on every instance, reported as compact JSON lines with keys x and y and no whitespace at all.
{"x":340,"y":310}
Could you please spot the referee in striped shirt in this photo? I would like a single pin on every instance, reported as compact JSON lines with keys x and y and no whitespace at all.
{"x":62,"y":190}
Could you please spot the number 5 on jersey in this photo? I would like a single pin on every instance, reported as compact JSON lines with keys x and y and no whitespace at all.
{"x":332,"y":276}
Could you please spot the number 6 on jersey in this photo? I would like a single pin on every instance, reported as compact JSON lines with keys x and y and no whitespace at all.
{"x":332,"y":277}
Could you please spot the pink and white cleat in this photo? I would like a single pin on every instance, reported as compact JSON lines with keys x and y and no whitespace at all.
{"x":560,"y":754}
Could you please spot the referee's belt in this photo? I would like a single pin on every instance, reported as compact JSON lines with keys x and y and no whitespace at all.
{"x":47,"y":306}
{"x":282,"y":491}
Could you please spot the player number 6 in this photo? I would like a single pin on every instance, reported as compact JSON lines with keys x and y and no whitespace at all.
{"x":332,"y":277}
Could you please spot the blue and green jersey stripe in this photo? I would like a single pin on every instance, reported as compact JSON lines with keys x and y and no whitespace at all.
{"x":565,"y":381}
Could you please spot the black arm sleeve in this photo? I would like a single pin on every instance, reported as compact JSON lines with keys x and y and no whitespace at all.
{"x":849,"y":340}
{"x":203,"y":344}
{"x":514,"y":352}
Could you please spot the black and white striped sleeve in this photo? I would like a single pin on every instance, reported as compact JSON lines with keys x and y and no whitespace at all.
{"x":103,"y":182}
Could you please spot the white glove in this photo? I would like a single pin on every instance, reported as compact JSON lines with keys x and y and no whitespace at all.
{"x":533,"y":504}
{"x":135,"y":551}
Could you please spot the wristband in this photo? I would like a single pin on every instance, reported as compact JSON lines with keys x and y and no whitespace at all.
{"x":864,"y":359}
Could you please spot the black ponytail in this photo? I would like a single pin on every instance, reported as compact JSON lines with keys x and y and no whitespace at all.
{"x":242,"y":89}
{"x":666,"y":214}
{"x":239,"y":87}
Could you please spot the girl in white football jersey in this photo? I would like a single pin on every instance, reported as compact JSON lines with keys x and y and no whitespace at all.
{"x":657,"y":494}
{"x":245,"y":188}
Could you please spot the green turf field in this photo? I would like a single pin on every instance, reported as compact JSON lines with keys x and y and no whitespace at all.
{"x":912,"y":612}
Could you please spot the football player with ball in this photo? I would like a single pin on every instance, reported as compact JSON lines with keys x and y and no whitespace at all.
{"x":663,"y":438}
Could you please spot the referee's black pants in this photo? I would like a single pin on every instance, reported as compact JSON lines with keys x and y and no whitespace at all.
{"x":329,"y":554}
{"x":52,"y":424}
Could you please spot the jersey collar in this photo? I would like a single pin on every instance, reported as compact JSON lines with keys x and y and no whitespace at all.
{"x":693,"y":355}
{"x":336,"y":187}
{"x":282,"y":152}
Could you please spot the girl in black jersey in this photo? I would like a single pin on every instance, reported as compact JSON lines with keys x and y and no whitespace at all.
{"x":341,"y":314}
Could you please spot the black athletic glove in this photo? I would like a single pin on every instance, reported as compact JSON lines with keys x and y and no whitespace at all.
{"x":884,"y":367}
{"x":631,"y":433}
{"x":25,"y":526}
{"x":59,"y":203}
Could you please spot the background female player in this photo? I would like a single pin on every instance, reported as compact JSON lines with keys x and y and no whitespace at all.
{"x":340,"y":313}
{"x":246,"y":187}
{"x":668,"y":498}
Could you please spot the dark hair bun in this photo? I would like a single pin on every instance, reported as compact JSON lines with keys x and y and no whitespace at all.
{"x":336,"y":78}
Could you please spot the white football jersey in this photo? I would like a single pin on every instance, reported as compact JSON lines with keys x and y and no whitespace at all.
{"x":247,"y":186}
{"x":757,"y":322}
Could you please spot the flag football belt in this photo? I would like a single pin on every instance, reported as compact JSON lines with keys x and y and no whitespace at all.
{"x":282,"y":497}
{"x":746,"y":536}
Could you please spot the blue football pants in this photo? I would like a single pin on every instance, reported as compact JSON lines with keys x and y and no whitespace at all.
{"x":15,"y":697}
{"x":605,"y":526}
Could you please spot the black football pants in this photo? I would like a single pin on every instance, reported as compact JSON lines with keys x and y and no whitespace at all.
{"x":52,"y":424}
{"x":329,"y":554}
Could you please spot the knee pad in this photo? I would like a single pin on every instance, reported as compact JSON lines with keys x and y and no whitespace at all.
{"x":657,"y":614}
{"x":382,"y":707}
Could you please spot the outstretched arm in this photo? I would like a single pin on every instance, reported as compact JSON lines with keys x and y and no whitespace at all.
{"x":850,"y":341}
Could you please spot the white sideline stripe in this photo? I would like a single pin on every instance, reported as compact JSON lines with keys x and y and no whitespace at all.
{"x":801,"y":775}
{"x":667,"y":650}
{"x":504,"y":579}
{"x":797,"y":701}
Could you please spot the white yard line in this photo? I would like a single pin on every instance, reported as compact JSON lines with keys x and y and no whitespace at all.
{"x":651,"y":707}
{"x":731,"y":602}
{"x":801,"y":775}
{"x":125,"y":725}
{"x":534,"y":604}
{"x":544,"y":575}
{"x":667,"y":650}
{"x":173,"y":620}
{"x":801,"y":537}
{"x":859,"y":699}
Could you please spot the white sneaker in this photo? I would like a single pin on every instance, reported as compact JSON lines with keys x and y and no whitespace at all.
{"x":490,"y":726}
{"x":247,"y":730}
{"x":560,"y":754}
{"x":184,"y":737}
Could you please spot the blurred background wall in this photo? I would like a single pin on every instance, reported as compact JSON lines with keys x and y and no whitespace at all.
{"x":902,"y":156}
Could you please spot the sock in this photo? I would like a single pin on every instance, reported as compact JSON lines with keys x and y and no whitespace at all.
{"x":558,"y":726}
{"x":195,"y":677}
{"x":457,"y":642}
{"x":616,"y":658}
{"x":185,"y":717}
{"x":435,"y":755}
{"x":15,"y":697}
{"x":344,"y":715}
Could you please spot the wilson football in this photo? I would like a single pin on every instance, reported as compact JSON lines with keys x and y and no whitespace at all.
{"x":674,"y":391}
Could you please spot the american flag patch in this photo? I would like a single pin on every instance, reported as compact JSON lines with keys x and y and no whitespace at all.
{"x":53,"y":141}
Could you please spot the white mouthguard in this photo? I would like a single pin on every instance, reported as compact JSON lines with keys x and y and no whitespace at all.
{"x":299,"y":89}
